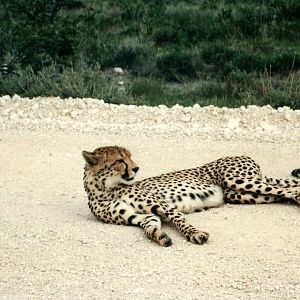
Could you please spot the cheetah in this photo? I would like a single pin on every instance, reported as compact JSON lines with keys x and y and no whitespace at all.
{"x":114,"y":198}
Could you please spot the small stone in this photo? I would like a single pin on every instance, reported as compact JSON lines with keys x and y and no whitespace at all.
{"x":35,"y":106}
{"x":6,"y":98}
{"x":74,"y":114}
{"x":162,"y":106}
{"x":16,"y":97}
{"x":252,"y":108}
{"x":177,"y":107}
{"x":287,"y":116}
{"x":118,"y":70}
{"x":14,"y":117}
{"x":186,"y":118}
{"x":233,"y":123}
{"x":6,"y":112}
{"x":280,"y":109}
{"x":266,"y":127}
{"x":81,"y":105}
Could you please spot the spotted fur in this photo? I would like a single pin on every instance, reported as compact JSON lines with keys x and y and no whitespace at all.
{"x":236,"y":179}
{"x":112,"y":199}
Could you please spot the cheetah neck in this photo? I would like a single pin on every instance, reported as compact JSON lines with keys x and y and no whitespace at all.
{"x":102,"y":186}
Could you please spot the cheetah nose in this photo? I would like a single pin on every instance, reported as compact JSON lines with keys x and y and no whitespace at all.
{"x":135,"y":169}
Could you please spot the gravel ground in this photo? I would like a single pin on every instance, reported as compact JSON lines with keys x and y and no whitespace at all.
{"x":53,"y":248}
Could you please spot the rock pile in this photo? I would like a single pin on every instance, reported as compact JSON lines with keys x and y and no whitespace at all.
{"x":260,"y":124}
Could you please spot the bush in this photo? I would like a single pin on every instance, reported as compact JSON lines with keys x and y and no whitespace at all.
{"x":132,"y":52}
{"x":226,"y":59}
{"x":178,"y":65}
{"x":187,"y":25}
{"x":81,"y":81}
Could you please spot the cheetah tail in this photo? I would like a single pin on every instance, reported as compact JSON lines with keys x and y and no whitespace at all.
{"x":296,"y":172}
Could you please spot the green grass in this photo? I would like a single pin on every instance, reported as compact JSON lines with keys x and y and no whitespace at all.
{"x":221,"y":52}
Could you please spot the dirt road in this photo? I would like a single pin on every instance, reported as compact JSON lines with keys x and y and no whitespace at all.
{"x":52,"y":246}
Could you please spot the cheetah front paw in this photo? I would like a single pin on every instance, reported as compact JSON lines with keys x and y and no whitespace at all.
{"x":164,"y":240}
{"x":159,"y":236}
{"x":198,"y":237}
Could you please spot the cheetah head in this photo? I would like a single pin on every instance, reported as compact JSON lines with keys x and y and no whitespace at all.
{"x":113,"y":165}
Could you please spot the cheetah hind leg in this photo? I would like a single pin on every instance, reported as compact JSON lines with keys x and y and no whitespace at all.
{"x":237,"y":197}
{"x":259,"y":187}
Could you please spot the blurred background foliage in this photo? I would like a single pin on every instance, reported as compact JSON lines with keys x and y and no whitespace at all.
{"x":221,"y":52}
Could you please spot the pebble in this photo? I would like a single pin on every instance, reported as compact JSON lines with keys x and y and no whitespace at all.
{"x":118,"y":70}
{"x":16,"y":98}
{"x":233,"y":123}
{"x":5,"y":98}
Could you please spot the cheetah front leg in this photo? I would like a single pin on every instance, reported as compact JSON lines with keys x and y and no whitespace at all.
{"x":258,"y":187}
{"x":152,"y":228}
{"x":161,"y":208}
{"x":123,"y":214}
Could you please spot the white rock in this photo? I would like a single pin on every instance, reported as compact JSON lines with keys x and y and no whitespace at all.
{"x":6,"y":112}
{"x":280,"y":109}
{"x":186,"y":118}
{"x":74,"y":114}
{"x":81,"y":105}
{"x":6,"y":98}
{"x":177,"y":107}
{"x":252,"y":108}
{"x":35,"y":106}
{"x":162,"y":106}
{"x":21,"y":113}
{"x":118,"y":70}
{"x":287,"y":116}
{"x":227,"y":134}
{"x":196,"y":106}
{"x":14,"y":117}
{"x":16,"y":97}
{"x":266,"y":127}
{"x":65,"y":112}
{"x":121,"y":83}
{"x":233,"y":123}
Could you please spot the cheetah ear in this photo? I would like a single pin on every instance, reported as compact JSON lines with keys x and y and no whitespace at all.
{"x":90,"y":158}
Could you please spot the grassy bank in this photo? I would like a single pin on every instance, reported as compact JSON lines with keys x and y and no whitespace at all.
{"x":226,"y":53}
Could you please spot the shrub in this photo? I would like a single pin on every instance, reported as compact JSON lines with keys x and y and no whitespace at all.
{"x":132,"y":52}
{"x":176,"y":65}
{"x":81,"y":81}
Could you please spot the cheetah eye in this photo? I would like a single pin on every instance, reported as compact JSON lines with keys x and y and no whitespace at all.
{"x":121,"y":161}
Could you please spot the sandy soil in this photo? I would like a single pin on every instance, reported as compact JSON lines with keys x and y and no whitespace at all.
{"x":53,"y":248}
